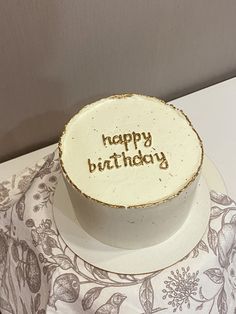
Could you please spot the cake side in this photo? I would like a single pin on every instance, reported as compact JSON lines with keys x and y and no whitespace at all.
{"x":130,"y":151}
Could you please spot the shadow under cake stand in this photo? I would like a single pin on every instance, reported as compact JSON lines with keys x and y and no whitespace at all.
{"x":145,"y":260}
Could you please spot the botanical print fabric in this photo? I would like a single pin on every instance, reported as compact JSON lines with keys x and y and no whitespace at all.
{"x":40,"y":274}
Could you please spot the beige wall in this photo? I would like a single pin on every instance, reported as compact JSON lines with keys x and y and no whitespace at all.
{"x":56,"y":55}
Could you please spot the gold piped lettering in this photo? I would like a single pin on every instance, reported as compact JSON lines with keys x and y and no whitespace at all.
{"x":148,"y":159}
{"x":127,"y":160}
{"x":127,"y":139}
{"x":147,"y":138}
{"x":115,"y":158}
{"x":92,"y":166}
{"x":163,"y":161}
{"x":117,"y":139}
{"x":117,"y":161}
{"x":106,"y":139}
{"x":138,"y":159}
{"x":137,"y":138}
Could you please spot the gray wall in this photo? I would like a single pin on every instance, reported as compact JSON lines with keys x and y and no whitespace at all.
{"x":57,"y":55}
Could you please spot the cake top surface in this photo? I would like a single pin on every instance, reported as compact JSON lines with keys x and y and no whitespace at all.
{"x":130,"y":150}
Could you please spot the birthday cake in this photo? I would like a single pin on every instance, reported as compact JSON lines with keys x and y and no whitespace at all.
{"x":131,"y":164}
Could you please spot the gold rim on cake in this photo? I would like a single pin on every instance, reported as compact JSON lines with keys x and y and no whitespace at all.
{"x":149,"y":204}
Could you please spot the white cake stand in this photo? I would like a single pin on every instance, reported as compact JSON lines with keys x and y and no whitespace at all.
{"x":141,"y":260}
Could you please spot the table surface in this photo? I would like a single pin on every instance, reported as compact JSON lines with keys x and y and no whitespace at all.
{"x":212,"y":112}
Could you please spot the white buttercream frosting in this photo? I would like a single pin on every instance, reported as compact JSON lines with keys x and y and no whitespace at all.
{"x":150,"y":127}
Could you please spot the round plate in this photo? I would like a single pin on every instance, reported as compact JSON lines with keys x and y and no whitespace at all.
{"x":141,"y":260}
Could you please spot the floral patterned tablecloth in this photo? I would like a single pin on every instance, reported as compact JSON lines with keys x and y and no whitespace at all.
{"x":40,"y":274}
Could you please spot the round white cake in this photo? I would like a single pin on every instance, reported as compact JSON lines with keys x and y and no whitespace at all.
{"x":131,"y":164}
